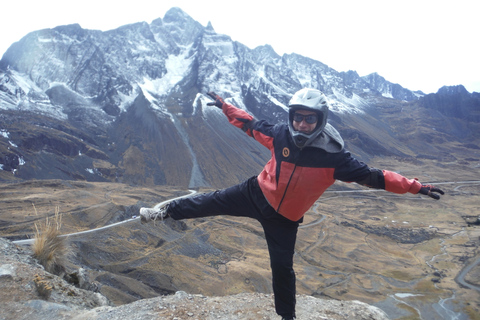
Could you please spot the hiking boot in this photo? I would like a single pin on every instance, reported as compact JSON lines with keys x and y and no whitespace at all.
{"x":149,"y":214}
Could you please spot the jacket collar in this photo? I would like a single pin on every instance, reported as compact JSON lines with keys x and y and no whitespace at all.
{"x":329,"y":140}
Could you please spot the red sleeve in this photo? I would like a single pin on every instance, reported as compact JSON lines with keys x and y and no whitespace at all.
{"x":397,"y":183}
{"x":259,"y":130}
{"x":237,"y":117}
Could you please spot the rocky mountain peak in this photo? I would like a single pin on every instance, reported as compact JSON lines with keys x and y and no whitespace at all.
{"x":454,"y":101}
{"x":453,"y":90}
{"x":209,"y":28}
{"x":176,"y":14}
{"x":390,"y":90}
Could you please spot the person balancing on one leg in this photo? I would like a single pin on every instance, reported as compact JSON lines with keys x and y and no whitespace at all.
{"x":308,"y":155}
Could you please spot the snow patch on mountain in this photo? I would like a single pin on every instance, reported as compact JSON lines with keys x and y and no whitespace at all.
{"x":344,"y":104}
{"x":177,"y":67}
{"x":22,"y":81}
{"x":223,"y":81}
{"x":199,"y":100}
{"x":387,"y":94}
{"x":4,"y":133}
{"x":278,"y":103}
{"x":126,"y":100}
{"x":21,"y":93}
{"x":220,"y":44}
{"x":222,"y":48}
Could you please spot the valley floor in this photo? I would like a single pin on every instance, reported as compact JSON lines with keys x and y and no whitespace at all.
{"x":402,"y":253}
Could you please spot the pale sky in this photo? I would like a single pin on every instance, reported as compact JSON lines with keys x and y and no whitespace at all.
{"x":419,"y":44}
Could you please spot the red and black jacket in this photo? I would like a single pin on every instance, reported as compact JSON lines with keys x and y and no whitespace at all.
{"x":294,"y":178}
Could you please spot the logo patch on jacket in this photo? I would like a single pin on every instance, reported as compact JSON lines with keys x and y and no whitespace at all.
{"x":286,"y":152}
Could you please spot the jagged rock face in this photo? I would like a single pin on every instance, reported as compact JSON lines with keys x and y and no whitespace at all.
{"x":127,"y":105}
{"x":455,"y":102}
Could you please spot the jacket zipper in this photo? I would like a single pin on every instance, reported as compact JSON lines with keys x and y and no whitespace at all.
{"x":286,"y":188}
{"x":289,"y":180}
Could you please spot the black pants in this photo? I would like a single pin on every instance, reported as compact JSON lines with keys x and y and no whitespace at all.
{"x":246,"y":200}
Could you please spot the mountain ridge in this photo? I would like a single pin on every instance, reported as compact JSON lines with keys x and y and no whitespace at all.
{"x":135,"y":94}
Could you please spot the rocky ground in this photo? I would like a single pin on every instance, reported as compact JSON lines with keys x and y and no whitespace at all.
{"x":27,"y":291}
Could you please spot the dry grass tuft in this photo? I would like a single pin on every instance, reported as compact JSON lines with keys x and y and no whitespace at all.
{"x":49,"y":248}
{"x":44,"y":288}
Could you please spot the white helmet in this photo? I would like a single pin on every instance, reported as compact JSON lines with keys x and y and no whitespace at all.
{"x":312,"y":100}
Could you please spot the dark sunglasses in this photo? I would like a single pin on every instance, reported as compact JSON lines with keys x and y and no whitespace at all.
{"x":309,"y":118}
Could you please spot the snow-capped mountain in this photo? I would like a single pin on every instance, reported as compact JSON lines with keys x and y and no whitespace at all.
{"x":129,"y":104}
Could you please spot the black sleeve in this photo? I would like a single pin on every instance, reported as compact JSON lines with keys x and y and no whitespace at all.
{"x":349,"y":169}
{"x":374,"y":179}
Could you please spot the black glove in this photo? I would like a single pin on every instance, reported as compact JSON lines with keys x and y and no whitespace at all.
{"x":218,"y":100}
{"x":429,"y":190}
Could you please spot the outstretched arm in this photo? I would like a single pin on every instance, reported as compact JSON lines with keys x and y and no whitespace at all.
{"x":394,"y":182}
{"x":260,"y":130}
{"x":236,"y":116}
{"x":350,"y":169}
